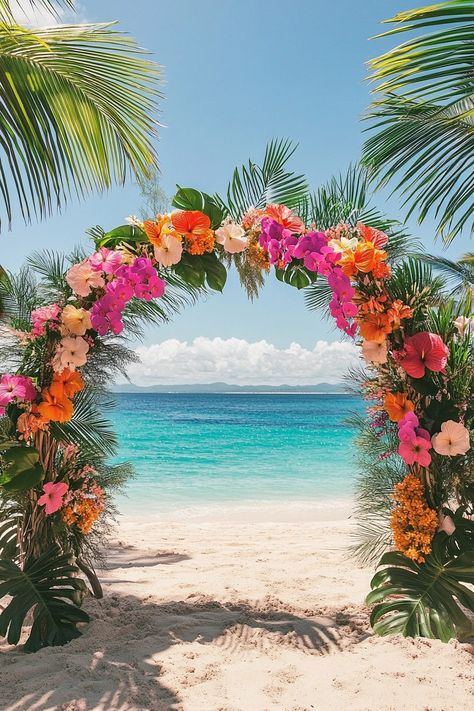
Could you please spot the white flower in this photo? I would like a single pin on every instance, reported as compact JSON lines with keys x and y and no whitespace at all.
{"x":232,"y":237}
{"x":464,"y":323}
{"x":170,"y":250}
{"x":343,"y":244}
{"x":134,"y":221}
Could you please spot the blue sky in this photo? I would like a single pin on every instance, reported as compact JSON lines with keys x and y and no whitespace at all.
{"x":236,"y":74}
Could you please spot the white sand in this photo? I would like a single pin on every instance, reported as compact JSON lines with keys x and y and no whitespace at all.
{"x":229,"y":616}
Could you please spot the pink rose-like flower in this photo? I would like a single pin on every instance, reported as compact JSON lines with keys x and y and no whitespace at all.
{"x":170,"y":251}
{"x":424,"y":350}
{"x":82,"y":278}
{"x":18,"y":387}
{"x":375,"y":352}
{"x":71,"y":353}
{"x":452,"y":440}
{"x":232,"y":237}
{"x":53,"y":496}
{"x":416,"y":451}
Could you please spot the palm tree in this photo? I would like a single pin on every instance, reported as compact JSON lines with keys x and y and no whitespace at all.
{"x":77,"y":112}
{"x":422,"y":119}
{"x":459,"y":275}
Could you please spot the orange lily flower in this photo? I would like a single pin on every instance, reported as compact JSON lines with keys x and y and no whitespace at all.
{"x":397,"y":312}
{"x":190,"y":223}
{"x":397,"y":405}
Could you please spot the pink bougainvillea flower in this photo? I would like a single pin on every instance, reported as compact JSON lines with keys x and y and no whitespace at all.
{"x":41,"y":315}
{"x":71,"y":353}
{"x":53,"y":496}
{"x":105,"y":260}
{"x":18,"y":387}
{"x":232,"y":237}
{"x":416,"y":451}
{"x":169,"y":251}
{"x":82,"y":278}
{"x":452,"y":440}
{"x":374,"y":352}
{"x":75,"y":321}
{"x":424,"y":350}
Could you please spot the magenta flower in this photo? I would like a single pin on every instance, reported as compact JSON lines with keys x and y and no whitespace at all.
{"x":424,"y":350}
{"x":416,"y":451}
{"x":16,"y":387}
{"x":53,"y":496}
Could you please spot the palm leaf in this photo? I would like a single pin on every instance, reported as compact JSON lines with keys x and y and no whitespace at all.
{"x":88,"y":429}
{"x":459,"y":275}
{"x":7,"y":14}
{"x":255,"y":186}
{"x":77,"y":114}
{"x":424,"y":600}
{"x":46,"y":586}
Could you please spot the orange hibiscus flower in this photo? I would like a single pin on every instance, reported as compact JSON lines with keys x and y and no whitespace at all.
{"x":55,"y":409}
{"x":155,"y":229}
{"x":397,"y":405}
{"x":66,"y":384}
{"x":286,"y":217}
{"x":29,"y":423}
{"x":374,"y":327}
{"x":190,"y":223}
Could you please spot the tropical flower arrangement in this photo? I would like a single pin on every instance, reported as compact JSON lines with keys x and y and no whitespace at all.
{"x":56,"y":483}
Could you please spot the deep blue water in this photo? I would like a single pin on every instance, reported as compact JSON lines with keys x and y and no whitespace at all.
{"x":194,"y":449}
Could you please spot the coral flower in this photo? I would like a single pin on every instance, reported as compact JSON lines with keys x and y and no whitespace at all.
{"x":53,"y":496}
{"x":416,"y":451}
{"x":55,"y":409}
{"x":190,"y":223}
{"x":374,"y":327}
{"x":397,"y":312}
{"x":29,"y":423}
{"x":232,"y":237}
{"x":370,"y":234}
{"x":71,"y":353}
{"x":375,"y":352}
{"x":41,"y":315}
{"x":82,"y":278}
{"x":397,"y":405}
{"x":452,"y":440}
{"x":169,"y":251}
{"x":286,"y":217}
{"x":424,"y":350}
{"x":75,"y":321}
{"x":66,"y":384}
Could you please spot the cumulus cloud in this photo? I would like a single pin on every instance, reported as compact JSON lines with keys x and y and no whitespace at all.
{"x":238,"y":362}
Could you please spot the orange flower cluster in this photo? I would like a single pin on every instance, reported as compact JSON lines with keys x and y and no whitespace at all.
{"x":156,"y":229}
{"x":56,"y":400}
{"x":83,"y":513}
{"x":377,"y":318}
{"x":257,"y":256}
{"x":199,"y":244}
{"x":29,"y":423}
{"x":413,"y":522}
{"x":192,"y":225}
{"x":397,"y":405}
{"x":365,"y":258}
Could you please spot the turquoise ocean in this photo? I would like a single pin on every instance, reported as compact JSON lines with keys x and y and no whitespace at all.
{"x":193,"y":452}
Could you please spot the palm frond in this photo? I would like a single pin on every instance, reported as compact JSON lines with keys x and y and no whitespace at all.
{"x":254,"y":186}
{"x":7,"y":14}
{"x":459,"y":276}
{"x":77,"y":114}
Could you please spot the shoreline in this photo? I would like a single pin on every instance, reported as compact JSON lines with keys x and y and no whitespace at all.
{"x":235,"y":616}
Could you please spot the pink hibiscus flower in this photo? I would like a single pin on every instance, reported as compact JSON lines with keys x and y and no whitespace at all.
{"x":424,"y":350}
{"x":53,"y":496}
{"x":416,"y":451}
{"x":18,"y":387}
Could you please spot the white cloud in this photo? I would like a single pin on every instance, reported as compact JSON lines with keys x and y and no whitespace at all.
{"x":238,"y":362}
{"x":29,"y":16}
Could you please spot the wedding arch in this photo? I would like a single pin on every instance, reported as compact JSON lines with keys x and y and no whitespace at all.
{"x":62,"y":343}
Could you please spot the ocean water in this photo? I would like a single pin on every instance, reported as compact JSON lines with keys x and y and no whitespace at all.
{"x":215,"y":450}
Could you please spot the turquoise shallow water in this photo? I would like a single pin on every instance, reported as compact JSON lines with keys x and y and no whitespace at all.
{"x":192,"y":449}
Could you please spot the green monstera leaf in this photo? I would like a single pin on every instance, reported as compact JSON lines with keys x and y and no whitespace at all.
{"x":124,"y":234}
{"x":48,"y":587}
{"x":191,"y":199}
{"x":21,"y":469}
{"x":424,"y":600}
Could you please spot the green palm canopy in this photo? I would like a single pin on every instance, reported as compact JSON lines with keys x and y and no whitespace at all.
{"x":77,"y":112}
{"x":422,"y":119}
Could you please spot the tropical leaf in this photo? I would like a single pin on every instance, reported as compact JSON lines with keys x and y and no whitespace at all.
{"x":48,"y":588}
{"x":20,"y":469}
{"x":255,"y":186}
{"x":191,"y":199}
{"x":424,"y":600}
{"x":459,"y":275}
{"x":7,"y":14}
{"x":78,"y":104}
{"x":422,"y":119}
{"x":413,"y":283}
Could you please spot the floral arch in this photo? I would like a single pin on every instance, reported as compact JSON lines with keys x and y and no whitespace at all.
{"x":63,"y":341}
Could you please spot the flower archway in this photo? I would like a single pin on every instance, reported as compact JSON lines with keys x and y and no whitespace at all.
{"x":418,"y":350}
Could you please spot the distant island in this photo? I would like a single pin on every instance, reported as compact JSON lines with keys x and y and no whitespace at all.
{"x":338,"y":388}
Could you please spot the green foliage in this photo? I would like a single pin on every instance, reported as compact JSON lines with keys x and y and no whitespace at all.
{"x":46,"y":586}
{"x":424,"y":600}
{"x":51,"y":6}
{"x":422,"y":118}
{"x":20,"y":468}
{"x":78,"y":104}
{"x":128,"y":235}
{"x":202,"y":270}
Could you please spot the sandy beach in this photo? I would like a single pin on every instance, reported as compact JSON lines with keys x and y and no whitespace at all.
{"x":229,"y":615}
